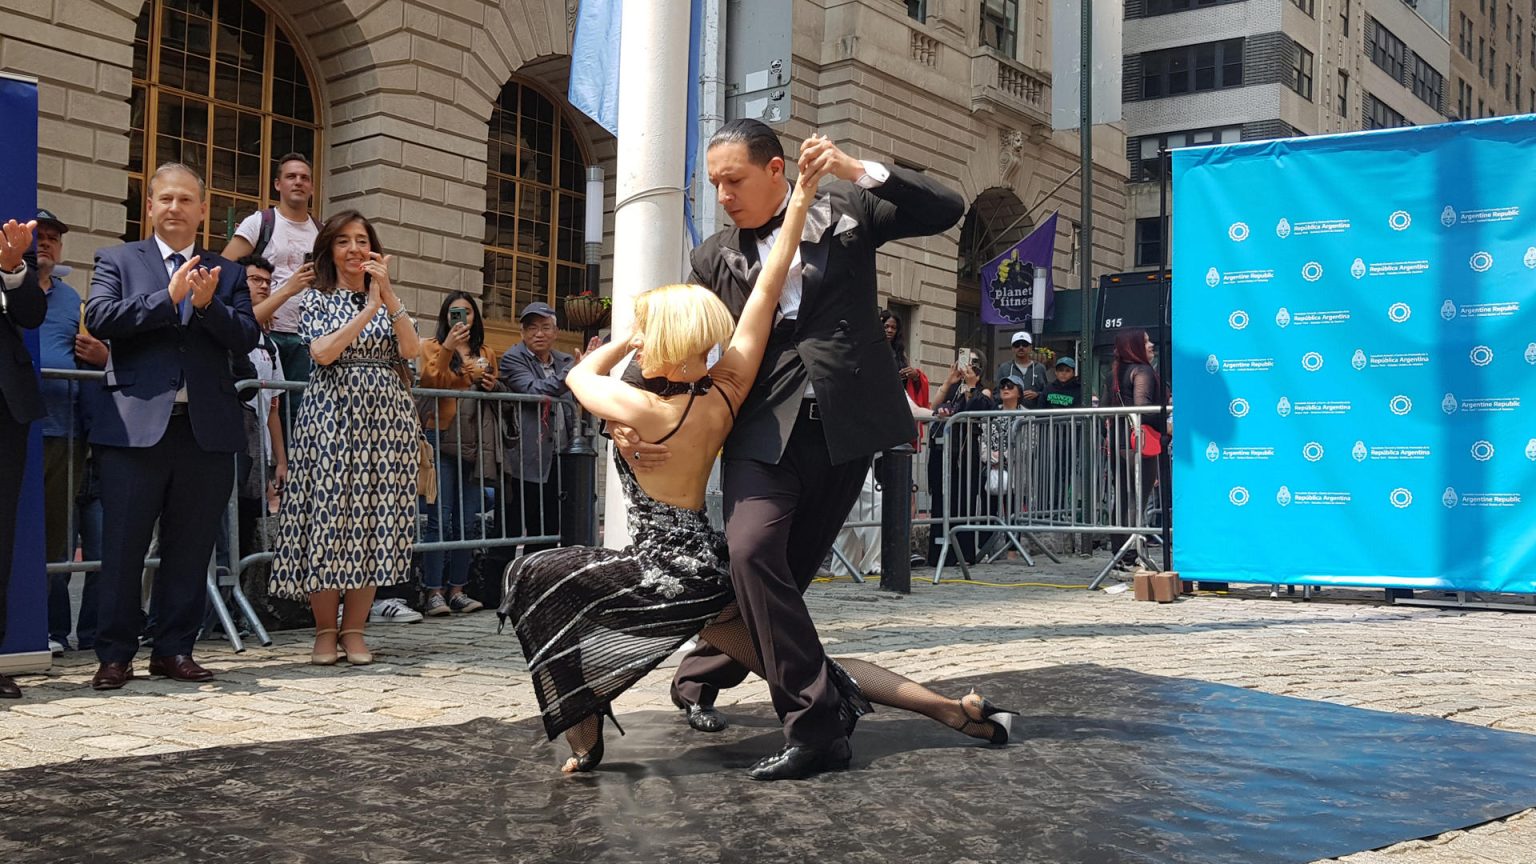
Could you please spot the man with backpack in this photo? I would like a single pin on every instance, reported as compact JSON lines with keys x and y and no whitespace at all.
{"x":284,"y":235}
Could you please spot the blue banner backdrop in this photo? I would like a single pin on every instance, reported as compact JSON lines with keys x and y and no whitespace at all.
{"x":1354,"y":367}
{"x":27,"y":630}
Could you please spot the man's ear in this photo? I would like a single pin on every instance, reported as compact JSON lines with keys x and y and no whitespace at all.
{"x":776,"y":165}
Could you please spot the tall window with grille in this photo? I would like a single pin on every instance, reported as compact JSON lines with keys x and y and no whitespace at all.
{"x":1389,"y":52}
{"x":917,"y":10}
{"x":1000,"y":26}
{"x":535,"y":195}
{"x":1427,"y":84}
{"x":1301,"y":73}
{"x":1343,"y":100}
{"x":217,"y":85}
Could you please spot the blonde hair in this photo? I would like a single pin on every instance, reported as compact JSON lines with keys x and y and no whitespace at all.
{"x":679,"y":322}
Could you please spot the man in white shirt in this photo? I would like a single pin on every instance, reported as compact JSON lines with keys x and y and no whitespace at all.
{"x":285,"y":236}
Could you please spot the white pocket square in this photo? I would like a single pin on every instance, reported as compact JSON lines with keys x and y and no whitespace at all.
{"x":845,"y":223}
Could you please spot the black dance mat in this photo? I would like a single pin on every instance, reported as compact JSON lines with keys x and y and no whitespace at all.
{"x":1110,"y":766}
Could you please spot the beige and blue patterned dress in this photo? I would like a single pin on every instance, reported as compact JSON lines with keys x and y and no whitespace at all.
{"x":349,"y":510}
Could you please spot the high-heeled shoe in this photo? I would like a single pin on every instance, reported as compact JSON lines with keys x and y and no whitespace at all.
{"x":317,"y":658}
{"x":1000,"y":719}
{"x":583,"y":762}
{"x":356,"y":658}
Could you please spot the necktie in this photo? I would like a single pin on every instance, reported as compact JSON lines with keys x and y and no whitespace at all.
{"x":184,"y":308}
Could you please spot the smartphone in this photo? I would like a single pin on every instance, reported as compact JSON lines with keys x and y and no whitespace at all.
{"x":458,"y":315}
{"x":309,"y":257}
{"x":962,"y":357}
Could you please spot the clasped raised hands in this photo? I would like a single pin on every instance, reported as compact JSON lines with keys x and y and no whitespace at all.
{"x":200,"y":282}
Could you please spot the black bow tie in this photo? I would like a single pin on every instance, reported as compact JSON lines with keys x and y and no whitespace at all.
{"x":765,"y":230}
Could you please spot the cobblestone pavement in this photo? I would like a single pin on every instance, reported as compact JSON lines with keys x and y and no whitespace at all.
{"x":1348,"y":648}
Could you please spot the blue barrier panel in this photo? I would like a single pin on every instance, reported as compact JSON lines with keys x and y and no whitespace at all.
{"x":27,"y":630}
{"x":1354,"y":367}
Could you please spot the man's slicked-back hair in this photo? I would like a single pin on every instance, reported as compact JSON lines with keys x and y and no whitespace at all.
{"x":762,"y":142}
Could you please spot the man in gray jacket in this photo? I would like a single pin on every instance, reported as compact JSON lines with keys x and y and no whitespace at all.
{"x":534,"y":367}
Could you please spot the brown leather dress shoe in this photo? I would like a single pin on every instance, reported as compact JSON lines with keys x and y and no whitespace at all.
{"x":180,"y":667}
{"x":8,"y":688}
{"x":111,"y":676}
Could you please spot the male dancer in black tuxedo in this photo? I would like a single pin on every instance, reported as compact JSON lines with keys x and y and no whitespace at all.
{"x":826,"y":399}
{"x":22,"y":305}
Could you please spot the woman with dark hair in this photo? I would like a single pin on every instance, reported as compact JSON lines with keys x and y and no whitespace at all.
{"x":1134,"y":382}
{"x":349,"y":512}
{"x":912,"y":378}
{"x":457,"y":359}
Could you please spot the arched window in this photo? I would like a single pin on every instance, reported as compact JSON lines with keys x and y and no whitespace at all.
{"x":997,"y":220}
{"x":217,"y":85}
{"x":535,"y":194}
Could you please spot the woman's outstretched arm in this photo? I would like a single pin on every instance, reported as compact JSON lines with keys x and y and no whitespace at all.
{"x":745,"y":352}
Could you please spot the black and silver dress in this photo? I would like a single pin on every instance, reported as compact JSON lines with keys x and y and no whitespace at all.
{"x":593,"y":622}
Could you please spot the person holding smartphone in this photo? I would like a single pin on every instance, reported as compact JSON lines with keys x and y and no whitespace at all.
{"x":467,"y":438}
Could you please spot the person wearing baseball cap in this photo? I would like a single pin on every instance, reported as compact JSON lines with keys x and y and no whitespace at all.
{"x":65,"y":345}
{"x":1024,"y":367}
{"x":534,"y":367}
{"x":1066,"y":391}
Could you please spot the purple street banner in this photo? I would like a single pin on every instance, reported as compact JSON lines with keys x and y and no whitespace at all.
{"x":1008,"y":281}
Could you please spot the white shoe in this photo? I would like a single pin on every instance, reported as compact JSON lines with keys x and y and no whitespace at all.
{"x":392,"y":611}
{"x":56,"y":648}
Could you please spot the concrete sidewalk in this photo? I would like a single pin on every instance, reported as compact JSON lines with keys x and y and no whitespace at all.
{"x":1347,"y":648}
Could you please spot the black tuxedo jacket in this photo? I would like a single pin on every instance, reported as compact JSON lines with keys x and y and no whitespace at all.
{"x":153,"y":352}
{"x":25,"y":308}
{"x":837,"y":342}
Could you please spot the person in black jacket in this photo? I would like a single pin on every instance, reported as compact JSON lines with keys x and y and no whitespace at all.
{"x":1066,"y":389}
{"x":827,"y":397}
{"x":22,"y":306}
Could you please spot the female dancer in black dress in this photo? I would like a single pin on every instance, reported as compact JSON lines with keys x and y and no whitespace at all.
{"x":592,"y":622}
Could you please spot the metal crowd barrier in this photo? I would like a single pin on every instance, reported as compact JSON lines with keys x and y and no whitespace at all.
{"x":482,"y":506}
{"x":506,"y":516}
{"x":1009,"y":475}
{"x":985,"y":482}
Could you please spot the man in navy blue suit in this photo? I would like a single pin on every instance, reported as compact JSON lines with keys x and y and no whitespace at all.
{"x":175,"y":315}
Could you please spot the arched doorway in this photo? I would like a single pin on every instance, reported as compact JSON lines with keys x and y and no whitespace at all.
{"x":996,"y":220}
{"x":219,"y":86}
{"x":535,"y":200}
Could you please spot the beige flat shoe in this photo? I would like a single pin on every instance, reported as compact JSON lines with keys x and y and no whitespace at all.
{"x":318,"y":659}
{"x":356,"y":658}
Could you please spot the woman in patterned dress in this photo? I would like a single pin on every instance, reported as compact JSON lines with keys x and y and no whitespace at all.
{"x":592,"y":622}
{"x":349,"y":512}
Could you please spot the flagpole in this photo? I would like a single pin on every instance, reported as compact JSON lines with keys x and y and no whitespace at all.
{"x":648,"y":182}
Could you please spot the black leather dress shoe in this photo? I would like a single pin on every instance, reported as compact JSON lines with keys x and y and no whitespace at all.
{"x":798,"y":763}
{"x":8,"y":688}
{"x":703,"y":718}
{"x":111,"y":676}
{"x":180,"y":667}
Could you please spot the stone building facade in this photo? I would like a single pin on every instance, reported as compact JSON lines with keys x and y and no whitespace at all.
{"x":1201,"y":73}
{"x":445,"y":122}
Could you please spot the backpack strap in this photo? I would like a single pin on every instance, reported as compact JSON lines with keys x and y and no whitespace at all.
{"x":268,"y":224}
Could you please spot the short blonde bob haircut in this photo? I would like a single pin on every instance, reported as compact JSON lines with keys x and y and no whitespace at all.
{"x":680,"y":322}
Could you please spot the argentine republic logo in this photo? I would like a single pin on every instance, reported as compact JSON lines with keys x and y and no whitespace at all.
{"x":1213,"y":277}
